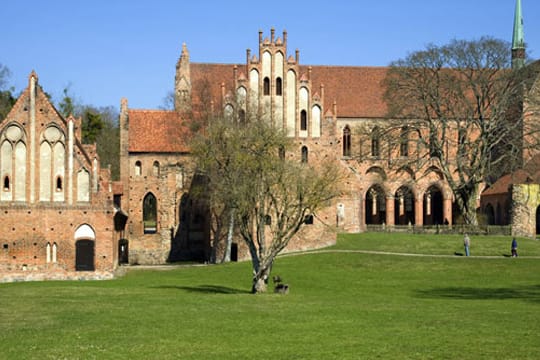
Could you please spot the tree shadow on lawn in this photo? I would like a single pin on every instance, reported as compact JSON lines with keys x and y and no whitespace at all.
{"x":529,"y":293}
{"x":205,"y":289}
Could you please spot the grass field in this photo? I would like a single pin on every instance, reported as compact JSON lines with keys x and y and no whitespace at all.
{"x":342,"y":305}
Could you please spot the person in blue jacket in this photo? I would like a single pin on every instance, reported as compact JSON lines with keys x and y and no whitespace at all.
{"x":514,"y":248}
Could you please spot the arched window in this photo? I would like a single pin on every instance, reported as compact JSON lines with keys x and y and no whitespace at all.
{"x":155,"y":168}
{"x":347,"y":141}
{"x":150,"y":214}
{"x":138,"y":168}
{"x":303,"y":120}
{"x":404,"y":142}
{"x":304,"y":154}
{"x":266,"y":86}
{"x":308,"y":219}
{"x":59,"y":186}
{"x":375,"y":142}
{"x":279,"y":86}
{"x":48,"y":253}
{"x":54,"y":252}
{"x":6,"y":183}
{"x":242,"y":116}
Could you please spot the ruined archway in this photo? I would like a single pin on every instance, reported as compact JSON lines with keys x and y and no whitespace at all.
{"x":404,"y":206}
{"x":433,"y":206}
{"x":375,"y":205}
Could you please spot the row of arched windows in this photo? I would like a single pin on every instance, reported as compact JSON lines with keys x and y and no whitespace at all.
{"x":266,"y":86}
{"x":139,"y":170}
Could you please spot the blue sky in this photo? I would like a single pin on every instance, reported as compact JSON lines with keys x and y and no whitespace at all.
{"x":106,"y":49}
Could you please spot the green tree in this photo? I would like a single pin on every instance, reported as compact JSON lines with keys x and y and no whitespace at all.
{"x":7,"y":100}
{"x":456,"y":100}
{"x":267,"y":195}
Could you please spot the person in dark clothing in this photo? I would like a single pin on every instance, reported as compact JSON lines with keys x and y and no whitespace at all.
{"x":514,"y":248}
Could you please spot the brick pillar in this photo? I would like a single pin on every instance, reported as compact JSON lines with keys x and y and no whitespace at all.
{"x":390,"y":212}
{"x":419,"y":211}
{"x":447,"y":211}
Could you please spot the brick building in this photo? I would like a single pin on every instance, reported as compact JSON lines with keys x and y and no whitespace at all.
{"x":56,"y":203}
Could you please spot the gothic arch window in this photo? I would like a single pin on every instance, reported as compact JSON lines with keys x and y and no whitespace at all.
{"x":138,"y":168}
{"x":149,"y":214}
{"x":13,"y":163}
{"x":48,"y":253}
{"x":347,"y":141}
{"x":59,"y":183}
{"x":375,"y":142}
{"x":279,"y":86}
{"x":303,"y":120}
{"x":304,"y":154}
{"x":404,"y":142}
{"x":7,"y":186}
{"x":155,"y":168}
{"x":266,"y":86}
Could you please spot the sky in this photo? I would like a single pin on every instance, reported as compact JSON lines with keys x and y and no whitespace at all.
{"x":104,"y":50}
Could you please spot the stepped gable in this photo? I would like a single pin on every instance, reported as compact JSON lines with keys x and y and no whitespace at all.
{"x":157,"y":131}
{"x":358,"y":91}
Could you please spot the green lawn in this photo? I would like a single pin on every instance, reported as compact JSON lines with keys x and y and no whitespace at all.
{"x":341,"y":306}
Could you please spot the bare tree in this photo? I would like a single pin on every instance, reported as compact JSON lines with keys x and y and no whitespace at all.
{"x":267,"y":195}
{"x":457,"y":108}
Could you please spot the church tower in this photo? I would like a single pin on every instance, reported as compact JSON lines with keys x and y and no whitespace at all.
{"x":518,"y":42}
{"x":182,"y":83}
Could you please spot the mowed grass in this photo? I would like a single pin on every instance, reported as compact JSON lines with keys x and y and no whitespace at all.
{"x":340,"y":306}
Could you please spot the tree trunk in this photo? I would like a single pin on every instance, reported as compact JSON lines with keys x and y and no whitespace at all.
{"x":230,"y":231}
{"x":260,"y":280}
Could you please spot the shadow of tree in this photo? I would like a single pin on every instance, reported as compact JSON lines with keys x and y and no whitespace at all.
{"x":205,"y":289}
{"x":529,"y":293}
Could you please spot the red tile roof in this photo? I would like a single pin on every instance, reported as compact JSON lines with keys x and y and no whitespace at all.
{"x":358,"y":91}
{"x":157,"y":131}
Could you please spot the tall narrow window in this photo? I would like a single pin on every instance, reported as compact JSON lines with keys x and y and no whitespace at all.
{"x":375,"y":142}
{"x":150,"y":214}
{"x":266,"y":86}
{"x":59,"y":186}
{"x":347,"y":141}
{"x":304,"y":154}
{"x":242,"y":116}
{"x":404,"y":142}
{"x":48,"y":253}
{"x":54,"y":251}
{"x":138,"y":168}
{"x":155,"y":168}
{"x":6,"y":183}
{"x":303,"y":120}
{"x":279,"y":87}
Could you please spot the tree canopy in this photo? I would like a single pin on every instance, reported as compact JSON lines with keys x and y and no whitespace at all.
{"x":461,"y":104}
{"x":252,"y":183}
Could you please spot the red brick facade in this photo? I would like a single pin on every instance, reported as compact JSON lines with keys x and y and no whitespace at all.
{"x":56,"y":204}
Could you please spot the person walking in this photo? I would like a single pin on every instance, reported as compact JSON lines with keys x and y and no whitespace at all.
{"x":514,"y":247}
{"x":466,"y":244}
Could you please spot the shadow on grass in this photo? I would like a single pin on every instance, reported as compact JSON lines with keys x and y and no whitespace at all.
{"x":205,"y":289}
{"x":529,"y":293}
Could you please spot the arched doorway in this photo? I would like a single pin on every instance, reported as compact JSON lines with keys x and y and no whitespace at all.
{"x":433,"y":206}
{"x":375,"y":205}
{"x":490,"y":214}
{"x":123,"y":251}
{"x":84,"y":248}
{"x":404,"y":206}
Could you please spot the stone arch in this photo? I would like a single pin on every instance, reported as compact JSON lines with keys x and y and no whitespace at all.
{"x":375,"y":205}
{"x":404,"y":208}
{"x":407,"y":171}
{"x":433,"y":206}
{"x":378,"y":171}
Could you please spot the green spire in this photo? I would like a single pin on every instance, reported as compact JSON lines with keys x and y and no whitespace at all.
{"x":518,"y":42}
